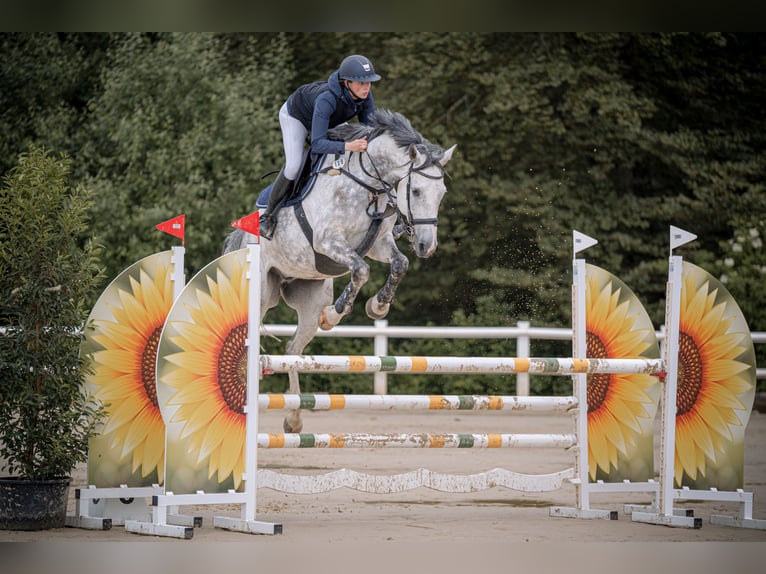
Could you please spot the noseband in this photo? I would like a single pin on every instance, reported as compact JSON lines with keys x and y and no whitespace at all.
{"x":411,"y":221}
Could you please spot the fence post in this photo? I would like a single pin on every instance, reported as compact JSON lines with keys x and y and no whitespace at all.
{"x":380,"y":349}
{"x":522,"y":351}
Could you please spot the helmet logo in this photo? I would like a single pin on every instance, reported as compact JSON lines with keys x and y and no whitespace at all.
{"x":366,"y":67}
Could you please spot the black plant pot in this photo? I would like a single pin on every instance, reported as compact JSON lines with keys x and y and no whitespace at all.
{"x":33,"y":504}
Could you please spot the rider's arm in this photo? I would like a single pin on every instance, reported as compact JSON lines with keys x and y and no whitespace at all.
{"x":320,"y":124}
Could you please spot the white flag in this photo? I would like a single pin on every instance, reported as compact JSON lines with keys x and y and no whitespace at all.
{"x":581,"y":241}
{"x":680,"y":237}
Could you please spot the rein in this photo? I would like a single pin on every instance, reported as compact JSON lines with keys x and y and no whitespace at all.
{"x":388,"y":189}
{"x":376,"y":192}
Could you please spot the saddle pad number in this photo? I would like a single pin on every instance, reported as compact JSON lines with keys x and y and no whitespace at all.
{"x":336,"y":165}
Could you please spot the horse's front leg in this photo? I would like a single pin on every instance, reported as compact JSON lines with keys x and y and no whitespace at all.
{"x":360,"y":273}
{"x":377,"y":306}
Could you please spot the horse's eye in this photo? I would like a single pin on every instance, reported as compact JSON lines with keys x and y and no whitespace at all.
{"x":416,"y":192}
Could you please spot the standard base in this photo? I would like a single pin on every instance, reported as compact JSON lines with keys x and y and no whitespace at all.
{"x":631,"y":508}
{"x":723,"y":520}
{"x":89,"y":522}
{"x":246,"y":526}
{"x":663,"y":520}
{"x":587,"y":514}
{"x":152,"y":529}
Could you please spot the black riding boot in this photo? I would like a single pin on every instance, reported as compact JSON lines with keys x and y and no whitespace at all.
{"x":279,"y":190}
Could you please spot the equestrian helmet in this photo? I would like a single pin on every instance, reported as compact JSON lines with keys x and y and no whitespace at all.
{"x":357,"y":68}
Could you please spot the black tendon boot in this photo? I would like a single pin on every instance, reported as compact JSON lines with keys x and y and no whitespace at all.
{"x":279,"y":190}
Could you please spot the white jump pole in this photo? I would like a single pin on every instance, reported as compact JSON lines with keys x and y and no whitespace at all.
{"x":580,"y":242}
{"x":665,"y":515}
{"x":177,"y":276}
{"x":253,"y":378}
{"x":580,"y":349}
{"x":421,"y":440}
{"x":456,"y":365}
{"x":327,"y":402}
{"x":247,"y":523}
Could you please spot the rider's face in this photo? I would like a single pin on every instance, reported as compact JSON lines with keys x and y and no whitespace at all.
{"x":359,"y":89}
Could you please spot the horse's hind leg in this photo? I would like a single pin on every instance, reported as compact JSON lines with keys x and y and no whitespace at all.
{"x":307,"y":297}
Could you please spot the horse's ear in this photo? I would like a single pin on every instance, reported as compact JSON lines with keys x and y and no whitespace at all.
{"x":447,"y":155}
{"x":416,"y":156}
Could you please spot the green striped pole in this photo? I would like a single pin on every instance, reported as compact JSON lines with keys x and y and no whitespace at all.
{"x":455,"y":365}
{"x":323,"y":402}
{"x":421,"y":440}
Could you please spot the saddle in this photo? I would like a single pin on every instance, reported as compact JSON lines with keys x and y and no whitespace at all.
{"x":303,"y":185}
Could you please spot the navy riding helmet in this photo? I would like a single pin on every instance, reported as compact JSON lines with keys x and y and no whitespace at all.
{"x":357,"y":68}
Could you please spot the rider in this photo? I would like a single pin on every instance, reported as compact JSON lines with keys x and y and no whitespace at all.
{"x":315,"y":108}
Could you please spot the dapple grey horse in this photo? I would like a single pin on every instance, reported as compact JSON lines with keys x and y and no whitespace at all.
{"x":349,"y":215}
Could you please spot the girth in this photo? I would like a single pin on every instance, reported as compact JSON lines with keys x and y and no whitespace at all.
{"x":323,"y":263}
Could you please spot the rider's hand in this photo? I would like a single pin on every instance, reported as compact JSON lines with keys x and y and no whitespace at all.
{"x":359,"y":145}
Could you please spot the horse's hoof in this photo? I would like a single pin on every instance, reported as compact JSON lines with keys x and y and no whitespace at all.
{"x":292,"y":426}
{"x":325,"y":319}
{"x":375,"y":311}
{"x":324,"y":324}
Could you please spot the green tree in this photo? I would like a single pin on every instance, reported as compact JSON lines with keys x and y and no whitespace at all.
{"x":541,"y":121}
{"x":186,"y":123}
{"x":46,"y":276}
{"x":616,"y":135}
{"x":46,"y":80}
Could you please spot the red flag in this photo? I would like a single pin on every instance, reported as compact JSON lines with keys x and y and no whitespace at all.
{"x":174,"y":227}
{"x":250,"y":223}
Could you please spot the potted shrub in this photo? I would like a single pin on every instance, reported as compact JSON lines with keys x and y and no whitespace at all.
{"x":47,"y":272}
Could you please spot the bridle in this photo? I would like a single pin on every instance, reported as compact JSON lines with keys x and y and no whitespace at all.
{"x":409,"y":221}
{"x":389,"y":189}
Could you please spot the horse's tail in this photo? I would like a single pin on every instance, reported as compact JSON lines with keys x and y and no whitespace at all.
{"x":234,"y":241}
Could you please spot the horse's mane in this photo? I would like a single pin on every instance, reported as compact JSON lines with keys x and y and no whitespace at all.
{"x":348,"y":132}
{"x":386,"y":122}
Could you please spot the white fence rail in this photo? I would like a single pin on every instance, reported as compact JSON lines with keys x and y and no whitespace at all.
{"x":380,"y":332}
{"x":523,"y":332}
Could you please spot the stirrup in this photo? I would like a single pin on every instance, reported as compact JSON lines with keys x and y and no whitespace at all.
{"x":266,"y":226}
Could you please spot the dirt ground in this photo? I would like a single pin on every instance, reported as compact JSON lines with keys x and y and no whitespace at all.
{"x":453,"y":527}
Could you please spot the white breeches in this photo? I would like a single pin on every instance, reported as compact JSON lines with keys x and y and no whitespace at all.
{"x":293,"y":138}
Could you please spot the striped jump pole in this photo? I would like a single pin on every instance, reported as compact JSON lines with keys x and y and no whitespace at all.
{"x":421,"y":440}
{"x":455,"y":365}
{"x":326,"y":402}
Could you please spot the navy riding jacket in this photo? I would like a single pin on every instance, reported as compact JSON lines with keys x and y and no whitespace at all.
{"x":323,"y":105}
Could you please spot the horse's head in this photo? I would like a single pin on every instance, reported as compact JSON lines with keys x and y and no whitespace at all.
{"x":413,"y":163}
{"x":420,"y":192}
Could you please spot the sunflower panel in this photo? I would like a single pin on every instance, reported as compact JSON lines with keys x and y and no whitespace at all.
{"x":716,"y":385}
{"x":123,"y":337}
{"x":202,"y":379}
{"x":621,"y":406}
